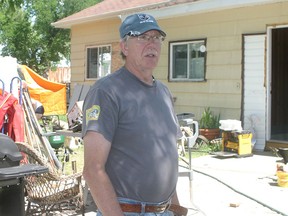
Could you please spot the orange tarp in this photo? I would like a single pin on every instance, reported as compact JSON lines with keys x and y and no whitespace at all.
{"x":52,"y":95}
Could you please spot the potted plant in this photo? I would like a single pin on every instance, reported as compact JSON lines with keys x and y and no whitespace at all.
{"x":209,"y":124}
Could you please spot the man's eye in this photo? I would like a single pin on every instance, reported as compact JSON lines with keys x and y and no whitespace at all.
{"x":145,"y":37}
{"x":148,"y":38}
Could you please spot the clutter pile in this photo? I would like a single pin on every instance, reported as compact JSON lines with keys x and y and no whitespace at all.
{"x":48,"y":191}
{"x":235,"y":140}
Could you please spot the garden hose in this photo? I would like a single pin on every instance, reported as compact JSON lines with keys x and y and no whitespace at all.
{"x":241,"y":193}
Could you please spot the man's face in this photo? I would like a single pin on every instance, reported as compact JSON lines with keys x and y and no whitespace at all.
{"x":38,"y":116}
{"x":143,"y":52}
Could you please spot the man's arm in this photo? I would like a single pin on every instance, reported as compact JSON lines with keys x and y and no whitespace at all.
{"x":96,"y":150}
{"x":175,"y":199}
{"x":176,"y":208}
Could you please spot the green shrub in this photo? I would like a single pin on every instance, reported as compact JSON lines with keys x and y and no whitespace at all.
{"x":209,"y":120}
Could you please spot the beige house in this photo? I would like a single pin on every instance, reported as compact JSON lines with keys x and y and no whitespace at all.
{"x":229,"y":55}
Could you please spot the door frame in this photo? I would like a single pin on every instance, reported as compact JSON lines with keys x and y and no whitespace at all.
{"x":268,"y":77}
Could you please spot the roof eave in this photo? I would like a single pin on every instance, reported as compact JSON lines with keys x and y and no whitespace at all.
{"x":69,"y":23}
{"x":171,"y":11}
{"x":199,"y":7}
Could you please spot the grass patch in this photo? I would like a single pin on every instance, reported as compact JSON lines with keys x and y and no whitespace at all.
{"x":204,"y":149}
{"x":63,"y":118}
{"x":76,"y":157}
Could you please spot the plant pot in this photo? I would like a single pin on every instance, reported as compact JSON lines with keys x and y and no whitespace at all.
{"x":210,"y":134}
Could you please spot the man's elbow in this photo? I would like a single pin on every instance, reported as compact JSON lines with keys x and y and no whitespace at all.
{"x":87,"y":173}
{"x":92,"y":173}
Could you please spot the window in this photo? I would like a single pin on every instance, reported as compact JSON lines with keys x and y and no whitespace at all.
{"x":98,"y":62}
{"x":187,"y":60}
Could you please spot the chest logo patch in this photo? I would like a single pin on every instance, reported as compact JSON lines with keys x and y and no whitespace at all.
{"x":93,"y":113}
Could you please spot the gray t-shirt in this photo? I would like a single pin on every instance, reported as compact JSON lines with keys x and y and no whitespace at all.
{"x":139,"y":121}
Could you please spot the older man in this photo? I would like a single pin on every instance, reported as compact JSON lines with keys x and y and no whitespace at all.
{"x":130,"y":130}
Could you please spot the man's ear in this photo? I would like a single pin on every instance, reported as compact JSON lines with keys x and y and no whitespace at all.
{"x":124,"y":47}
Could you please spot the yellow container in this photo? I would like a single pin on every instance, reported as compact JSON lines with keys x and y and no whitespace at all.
{"x":239,"y":142}
{"x":282,"y":179}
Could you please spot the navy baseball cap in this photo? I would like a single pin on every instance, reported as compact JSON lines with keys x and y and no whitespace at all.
{"x":138,"y":24}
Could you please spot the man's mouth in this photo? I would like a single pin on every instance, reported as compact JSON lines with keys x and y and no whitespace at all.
{"x":151,"y":55}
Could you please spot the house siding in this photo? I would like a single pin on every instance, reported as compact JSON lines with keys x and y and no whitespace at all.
{"x":93,"y":34}
{"x":223,"y":30}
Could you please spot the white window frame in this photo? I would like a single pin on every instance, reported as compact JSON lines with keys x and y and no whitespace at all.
{"x":98,"y":64}
{"x":187,"y":76}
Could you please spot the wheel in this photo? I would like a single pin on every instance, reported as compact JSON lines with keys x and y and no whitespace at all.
{"x":200,"y":141}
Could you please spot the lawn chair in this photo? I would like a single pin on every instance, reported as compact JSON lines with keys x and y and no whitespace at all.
{"x":50,"y":191}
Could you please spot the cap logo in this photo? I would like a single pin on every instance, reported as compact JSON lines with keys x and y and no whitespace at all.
{"x":145,"y":18}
